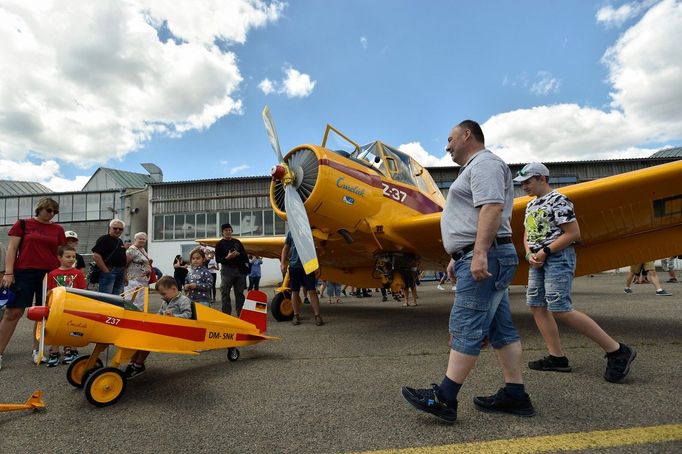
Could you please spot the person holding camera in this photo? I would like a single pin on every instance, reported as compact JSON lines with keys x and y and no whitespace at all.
{"x":230,"y":253}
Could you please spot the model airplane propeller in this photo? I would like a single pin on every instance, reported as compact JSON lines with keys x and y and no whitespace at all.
{"x":292,"y":173}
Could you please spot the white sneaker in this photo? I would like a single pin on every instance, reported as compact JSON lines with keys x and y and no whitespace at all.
{"x":454,"y":288}
{"x":36,"y":359}
{"x":440,"y":287}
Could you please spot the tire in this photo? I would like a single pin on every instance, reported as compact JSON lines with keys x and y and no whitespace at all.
{"x":232,"y":354}
{"x":281,"y":308}
{"x":105,"y":386}
{"x":76,"y":374}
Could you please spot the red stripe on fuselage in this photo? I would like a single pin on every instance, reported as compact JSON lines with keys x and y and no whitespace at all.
{"x":180,"y":332}
{"x":414,"y":199}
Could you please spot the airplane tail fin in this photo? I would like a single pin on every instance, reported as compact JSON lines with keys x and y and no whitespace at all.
{"x":255,"y":309}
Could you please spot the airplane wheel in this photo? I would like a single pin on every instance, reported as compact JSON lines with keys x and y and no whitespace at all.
{"x":232,"y":354}
{"x":105,"y":386}
{"x":281,"y":308}
{"x":76,"y":374}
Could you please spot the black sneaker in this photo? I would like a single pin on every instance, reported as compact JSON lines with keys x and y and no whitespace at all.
{"x":427,"y":400}
{"x":69,"y":356}
{"x":503,"y":402}
{"x":618,"y":364}
{"x":627,"y":290}
{"x":551,"y":363}
{"x":53,"y":360}
{"x":672,"y":280}
{"x":662,"y":292}
{"x":133,"y":370}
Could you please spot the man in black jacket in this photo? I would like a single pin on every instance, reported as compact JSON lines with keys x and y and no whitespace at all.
{"x":230,"y":253}
{"x":110,"y":256}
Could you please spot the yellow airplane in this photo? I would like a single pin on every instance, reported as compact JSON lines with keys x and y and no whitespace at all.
{"x":364,"y":214}
{"x":80,"y":317}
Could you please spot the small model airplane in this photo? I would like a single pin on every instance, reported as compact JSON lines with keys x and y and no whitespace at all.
{"x":366,"y":214}
{"x":35,"y":402}
{"x":77,"y":318}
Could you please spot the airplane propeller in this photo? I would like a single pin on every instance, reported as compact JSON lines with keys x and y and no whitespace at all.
{"x":292,"y":176}
{"x":39,"y":314}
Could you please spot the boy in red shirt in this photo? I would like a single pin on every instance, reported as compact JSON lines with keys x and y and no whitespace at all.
{"x":65,"y":276}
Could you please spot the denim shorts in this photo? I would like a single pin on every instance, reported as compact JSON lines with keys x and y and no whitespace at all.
{"x":550,"y":286}
{"x":28,"y":285}
{"x":481,"y":308}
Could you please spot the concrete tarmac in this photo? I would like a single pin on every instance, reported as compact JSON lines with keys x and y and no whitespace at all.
{"x":335,"y":388}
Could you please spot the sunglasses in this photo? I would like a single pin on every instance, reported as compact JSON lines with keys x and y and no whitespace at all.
{"x":51,"y":211}
{"x":118,"y":229}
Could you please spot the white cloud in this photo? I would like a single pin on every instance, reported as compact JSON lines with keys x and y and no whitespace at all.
{"x":238,"y":169}
{"x":86,"y":82}
{"x":615,"y":17}
{"x":266,"y":86}
{"x":546,"y":84}
{"x":423,"y":157}
{"x":297,"y":84}
{"x":47,"y":173}
{"x":645,"y":73}
{"x":294,"y":85}
{"x":363,"y":42}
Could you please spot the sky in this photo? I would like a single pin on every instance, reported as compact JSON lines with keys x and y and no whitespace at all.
{"x":182,"y":84}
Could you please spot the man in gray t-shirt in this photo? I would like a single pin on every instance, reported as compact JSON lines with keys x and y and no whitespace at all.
{"x":476,"y":232}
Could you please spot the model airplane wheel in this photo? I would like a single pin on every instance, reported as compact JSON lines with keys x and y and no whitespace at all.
{"x":77,"y":375}
{"x":105,"y":386}
{"x":281,"y":308}
{"x":232,"y":354}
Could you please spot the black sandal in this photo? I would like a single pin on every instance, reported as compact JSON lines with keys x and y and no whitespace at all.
{"x":318,"y":320}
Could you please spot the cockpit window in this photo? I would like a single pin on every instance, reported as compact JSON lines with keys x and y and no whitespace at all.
{"x":370,"y":155}
{"x":337,"y":142}
{"x":399,"y":165}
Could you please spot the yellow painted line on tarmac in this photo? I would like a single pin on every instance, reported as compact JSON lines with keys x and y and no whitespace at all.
{"x":557,"y":443}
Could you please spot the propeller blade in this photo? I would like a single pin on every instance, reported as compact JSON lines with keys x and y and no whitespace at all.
{"x":272,"y":133}
{"x":299,"y":226}
{"x":41,"y":342}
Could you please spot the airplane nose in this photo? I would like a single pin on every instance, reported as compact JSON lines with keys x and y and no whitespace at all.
{"x":38,"y":313}
{"x":278,"y":172}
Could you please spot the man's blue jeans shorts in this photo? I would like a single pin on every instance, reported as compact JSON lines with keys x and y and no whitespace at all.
{"x":550,"y":286}
{"x":481,"y":308}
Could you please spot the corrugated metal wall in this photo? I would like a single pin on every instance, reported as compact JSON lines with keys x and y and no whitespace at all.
{"x":211,"y":195}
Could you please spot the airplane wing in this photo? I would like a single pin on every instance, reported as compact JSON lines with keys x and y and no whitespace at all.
{"x":267,"y":246}
{"x":624,"y":219}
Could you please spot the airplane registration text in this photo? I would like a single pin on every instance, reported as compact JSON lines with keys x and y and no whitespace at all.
{"x":219,"y":335}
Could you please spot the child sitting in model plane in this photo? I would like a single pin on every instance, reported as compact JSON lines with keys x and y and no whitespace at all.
{"x":174,"y":304}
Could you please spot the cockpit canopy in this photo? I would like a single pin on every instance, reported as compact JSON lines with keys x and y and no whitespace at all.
{"x":384,"y":160}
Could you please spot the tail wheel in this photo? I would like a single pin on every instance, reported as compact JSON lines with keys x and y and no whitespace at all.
{"x":281,"y":308}
{"x":77,"y":375}
{"x":105,"y":386}
{"x":232,"y":354}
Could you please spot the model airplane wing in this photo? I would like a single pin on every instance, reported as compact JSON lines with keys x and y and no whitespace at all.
{"x":269,"y":247}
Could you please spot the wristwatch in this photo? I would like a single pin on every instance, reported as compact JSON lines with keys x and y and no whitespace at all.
{"x":547,"y":250}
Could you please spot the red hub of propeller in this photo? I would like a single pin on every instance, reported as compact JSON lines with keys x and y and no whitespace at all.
{"x":278,"y":172}
{"x":37,"y":313}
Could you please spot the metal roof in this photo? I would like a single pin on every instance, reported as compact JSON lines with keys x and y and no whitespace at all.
{"x":668,"y":153}
{"x":124,"y":179}
{"x":10,"y":187}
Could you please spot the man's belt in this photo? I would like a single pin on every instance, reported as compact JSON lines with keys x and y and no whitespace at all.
{"x":466,"y":249}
